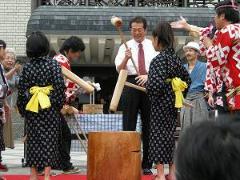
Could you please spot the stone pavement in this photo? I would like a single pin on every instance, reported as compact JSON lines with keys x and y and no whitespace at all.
{"x":13,"y":159}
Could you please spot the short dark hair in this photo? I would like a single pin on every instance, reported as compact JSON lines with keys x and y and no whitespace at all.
{"x":209,"y":150}
{"x":74,"y":43}
{"x":229,"y":9}
{"x":164,"y":33}
{"x":52,"y":53}
{"x":3,"y":44}
{"x":138,"y":19}
{"x":37,"y":45}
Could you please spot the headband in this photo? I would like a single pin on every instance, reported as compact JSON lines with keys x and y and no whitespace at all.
{"x":230,"y":6}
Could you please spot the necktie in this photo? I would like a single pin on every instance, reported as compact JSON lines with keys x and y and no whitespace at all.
{"x":141,"y":60}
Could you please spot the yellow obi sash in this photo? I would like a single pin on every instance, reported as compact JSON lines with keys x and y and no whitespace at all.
{"x":178,"y":87}
{"x":39,"y":97}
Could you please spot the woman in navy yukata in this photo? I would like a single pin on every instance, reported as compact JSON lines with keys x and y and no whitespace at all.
{"x":165,"y":68}
{"x":41,"y":77}
{"x":3,"y":94}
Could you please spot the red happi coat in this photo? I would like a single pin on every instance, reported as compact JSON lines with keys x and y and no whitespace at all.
{"x":224,"y":56}
{"x":71,"y":86}
{"x":214,"y":83}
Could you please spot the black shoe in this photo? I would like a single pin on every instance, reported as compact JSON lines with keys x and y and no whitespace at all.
{"x":147,"y":172}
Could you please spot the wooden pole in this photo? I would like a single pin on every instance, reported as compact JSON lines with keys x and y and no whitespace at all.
{"x":122,"y":77}
{"x":135,"y":86}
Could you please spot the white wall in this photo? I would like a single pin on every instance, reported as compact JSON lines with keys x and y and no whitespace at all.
{"x":14,"y":15}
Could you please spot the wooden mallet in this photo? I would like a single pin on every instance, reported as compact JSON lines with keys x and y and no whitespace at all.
{"x":121,"y":82}
{"x":117,"y":22}
{"x":79,"y":81}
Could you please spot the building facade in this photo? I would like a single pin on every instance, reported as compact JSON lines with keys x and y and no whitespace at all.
{"x":15,"y":14}
{"x":90,"y":20}
{"x":14,"y":18}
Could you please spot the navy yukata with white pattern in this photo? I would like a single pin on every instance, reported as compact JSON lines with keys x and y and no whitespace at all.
{"x":3,"y":93}
{"x":166,"y":65}
{"x":43,"y":128}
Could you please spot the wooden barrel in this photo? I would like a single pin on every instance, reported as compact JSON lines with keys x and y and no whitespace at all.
{"x":114,"y":156}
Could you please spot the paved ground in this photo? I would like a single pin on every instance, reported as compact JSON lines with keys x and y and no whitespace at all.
{"x":13,"y":159}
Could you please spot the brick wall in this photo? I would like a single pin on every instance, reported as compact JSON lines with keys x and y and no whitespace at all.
{"x":14,"y":15}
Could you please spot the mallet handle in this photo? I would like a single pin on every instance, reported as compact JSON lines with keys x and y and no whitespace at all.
{"x":74,"y":78}
{"x":135,"y":86}
{"x":126,"y":46}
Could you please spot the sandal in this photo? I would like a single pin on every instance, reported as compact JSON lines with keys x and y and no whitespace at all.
{"x":42,"y":174}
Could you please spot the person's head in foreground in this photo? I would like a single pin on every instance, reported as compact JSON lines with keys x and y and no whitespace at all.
{"x":72,"y":48}
{"x":209,"y":151}
{"x":162,"y":36}
{"x":227,"y":12}
{"x":37,"y":45}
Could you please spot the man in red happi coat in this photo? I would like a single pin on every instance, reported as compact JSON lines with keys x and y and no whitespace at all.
{"x":70,"y":50}
{"x":223,"y":50}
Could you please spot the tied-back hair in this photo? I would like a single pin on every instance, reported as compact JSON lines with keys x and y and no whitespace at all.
{"x":230,"y":8}
{"x":164,"y":34}
{"x":37,"y":45}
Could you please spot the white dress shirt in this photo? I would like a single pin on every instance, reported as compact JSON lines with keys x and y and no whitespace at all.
{"x":149,"y":54}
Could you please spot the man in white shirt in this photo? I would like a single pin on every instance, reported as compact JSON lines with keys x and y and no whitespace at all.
{"x":134,"y":101}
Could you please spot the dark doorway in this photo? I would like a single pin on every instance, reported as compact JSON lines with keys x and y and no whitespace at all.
{"x":105,"y":75}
